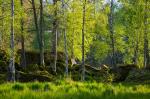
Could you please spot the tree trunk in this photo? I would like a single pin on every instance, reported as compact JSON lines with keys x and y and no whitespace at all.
{"x":72,"y":40}
{"x":65,"y":37}
{"x":54,"y":35}
{"x":83,"y":32}
{"x":111,"y":27}
{"x":41,"y":34}
{"x":12,"y":59}
{"x":1,"y":34}
{"x":146,"y":50}
{"x":136,"y":50}
{"x":38,"y":31}
{"x":23,"y":56}
{"x":66,"y":52}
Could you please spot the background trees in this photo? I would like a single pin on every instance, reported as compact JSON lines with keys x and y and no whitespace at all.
{"x":82,"y":29}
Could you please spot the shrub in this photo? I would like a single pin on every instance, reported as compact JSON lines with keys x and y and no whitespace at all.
{"x":47,"y":87}
{"x":18,"y":87}
{"x":35,"y":86}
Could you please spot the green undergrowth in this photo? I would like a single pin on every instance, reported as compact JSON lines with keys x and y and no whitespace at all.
{"x":69,"y":89}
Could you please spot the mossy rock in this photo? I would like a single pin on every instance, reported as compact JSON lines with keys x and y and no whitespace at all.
{"x":33,"y":57}
{"x":27,"y":77}
{"x":3,"y":66}
{"x":123,"y":71}
{"x":3,"y":78}
{"x":32,"y":68}
{"x":139,"y":76}
{"x":4,"y":55}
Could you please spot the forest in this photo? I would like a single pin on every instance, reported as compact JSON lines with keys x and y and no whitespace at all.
{"x":74,"y":49}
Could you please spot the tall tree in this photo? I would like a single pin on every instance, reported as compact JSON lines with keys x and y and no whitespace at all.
{"x":83,"y":33}
{"x":55,"y":34}
{"x":12,"y":59}
{"x":72,"y":40}
{"x":1,"y":32}
{"x":39,"y":30}
{"x":136,"y":49}
{"x":65,"y":36}
{"x":41,"y":34}
{"x":111,"y":28}
{"x":23,"y":56}
{"x":146,"y":50}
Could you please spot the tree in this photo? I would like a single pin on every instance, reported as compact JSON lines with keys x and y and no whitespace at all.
{"x":23,"y":56}
{"x":41,"y":33}
{"x":1,"y":32}
{"x":65,"y":36}
{"x":112,"y":34}
{"x":55,"y":35}
{"x":83,"y":33}
{"x":39,"y":30}
{"x":12,"y":59}
{"x":146,"y":50}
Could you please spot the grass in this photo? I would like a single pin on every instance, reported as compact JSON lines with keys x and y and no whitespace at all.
{"x":73,"y":90}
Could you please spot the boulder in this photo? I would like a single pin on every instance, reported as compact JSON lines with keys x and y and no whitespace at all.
{"x":123,"y":71}
{"x":40,"y":76}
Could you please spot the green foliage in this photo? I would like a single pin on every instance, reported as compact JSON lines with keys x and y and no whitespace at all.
{"x":47,"y":87}
{"x":35,"y":86}
{"x":75,"y":90}
{"x":128,"y":28}
{"x":32,"y":67}
{"x":18,"y":87}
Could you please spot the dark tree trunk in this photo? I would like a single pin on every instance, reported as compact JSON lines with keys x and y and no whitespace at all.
{"x":136,"y":50}
{"x":41,"y":34}
{"x":72,"y":39}
{"x":23,"y":56}
{"x":1,"y":34}
{"x":146,"y":50}
{"x":38,"y":31}
{"x":111,"y":28}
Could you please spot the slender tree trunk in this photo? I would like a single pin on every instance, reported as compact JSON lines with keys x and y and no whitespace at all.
{"x":83,"y":32}
{"x":72,"y":38}
{"x":72,"y":45}
{"x":136,"y":50}
{"x":23,"y":56}
{"x":54,"y":35}
{"x":66,"y":52}
{"x":1,"y":34}
{"x":146,"y":51}
{"x":41,"y":34}
{"x":38,"y":31}
{"x":65,"y":37}
{"x":36,"y":23}
{"x":111,"y":27}
{"x":12,"y":59}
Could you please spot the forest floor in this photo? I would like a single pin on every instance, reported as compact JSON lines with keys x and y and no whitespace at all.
{"x":69,"y":89}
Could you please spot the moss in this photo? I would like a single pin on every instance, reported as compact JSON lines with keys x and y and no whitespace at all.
{"x":33,"y":57}
{"x":3,"y":66}
{"x":32,"y":68}
{"x":123,"y":71}
{"x":139,"y":76}
{"x":27,"y":77}
{"x":3,"y":78}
